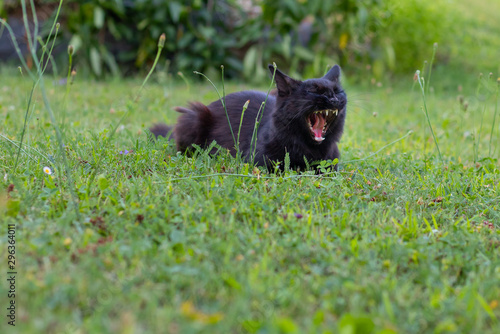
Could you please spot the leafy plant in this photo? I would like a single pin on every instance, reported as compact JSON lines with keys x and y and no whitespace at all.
{"x":307,"y":36}
{"x":304,"y":37}
{"x":198,"y":34}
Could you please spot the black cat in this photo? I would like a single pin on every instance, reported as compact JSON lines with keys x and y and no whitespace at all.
{"x":302,"y":118}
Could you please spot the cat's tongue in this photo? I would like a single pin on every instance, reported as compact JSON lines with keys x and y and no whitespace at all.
{"x":317,"y":128}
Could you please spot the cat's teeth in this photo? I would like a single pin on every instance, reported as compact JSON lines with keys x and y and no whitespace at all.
{"x":319,"y":139}
{"x":327,"y":112}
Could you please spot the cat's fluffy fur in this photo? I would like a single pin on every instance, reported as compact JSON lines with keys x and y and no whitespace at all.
{"x":302,"y":118}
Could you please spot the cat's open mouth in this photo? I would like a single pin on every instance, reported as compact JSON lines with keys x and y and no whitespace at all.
{"x":319,"y":121}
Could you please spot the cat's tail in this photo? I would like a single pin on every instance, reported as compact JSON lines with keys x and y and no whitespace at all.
{"x":193,"y":125}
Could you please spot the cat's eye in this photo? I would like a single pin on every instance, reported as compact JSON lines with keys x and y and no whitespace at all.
{"x":317,"y":91}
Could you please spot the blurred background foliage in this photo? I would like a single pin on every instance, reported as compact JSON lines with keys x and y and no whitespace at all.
{"x":379,"y":37}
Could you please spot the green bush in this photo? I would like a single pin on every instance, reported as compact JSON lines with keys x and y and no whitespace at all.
{"x":391,"y":35}
{"x":198,"y":35}
{"x":407,"y":31}
{"x":303,"y":37}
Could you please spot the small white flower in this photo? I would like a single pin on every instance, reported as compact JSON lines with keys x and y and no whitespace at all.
{"x":47,"y":170}
{"x":5,"y":177}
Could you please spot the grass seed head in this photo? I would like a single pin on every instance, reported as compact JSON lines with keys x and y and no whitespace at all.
{"x":161,"y":41}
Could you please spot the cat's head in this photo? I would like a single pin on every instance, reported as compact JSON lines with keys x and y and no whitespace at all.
{"x":314,"y":107}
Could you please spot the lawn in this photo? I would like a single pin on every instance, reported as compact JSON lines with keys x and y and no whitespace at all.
{"x":398,"y":241}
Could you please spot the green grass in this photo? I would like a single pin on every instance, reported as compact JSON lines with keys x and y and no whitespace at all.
{"x":396,"y":242}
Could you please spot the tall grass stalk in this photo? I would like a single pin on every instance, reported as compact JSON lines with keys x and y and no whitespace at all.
{"x":27,"y":28}
{"x":424,"y":69}
{"x":421,"y":83}
{"x":258,"y":118}
{"x":427,"y":83}
{"x":434,"y":49}
{"x":30,"y":97}
{"x":494,"y":117}
{"x":55,"y":25}
{"x":480,"y":130}
{"x":68,"y":77}
{"x":222,"y":100}
{"x":475,"y":144}
{"x":245,"y":107}
{"x":49,"y":57}
{"x":161,"y":45}
{"x":36,"y":26}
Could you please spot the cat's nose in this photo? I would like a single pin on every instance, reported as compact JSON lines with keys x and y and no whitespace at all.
{"x":334,"y":99}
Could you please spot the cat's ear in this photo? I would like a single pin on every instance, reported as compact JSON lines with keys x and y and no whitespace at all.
{"x":284,"y":83}
{"x":333,"y":74}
